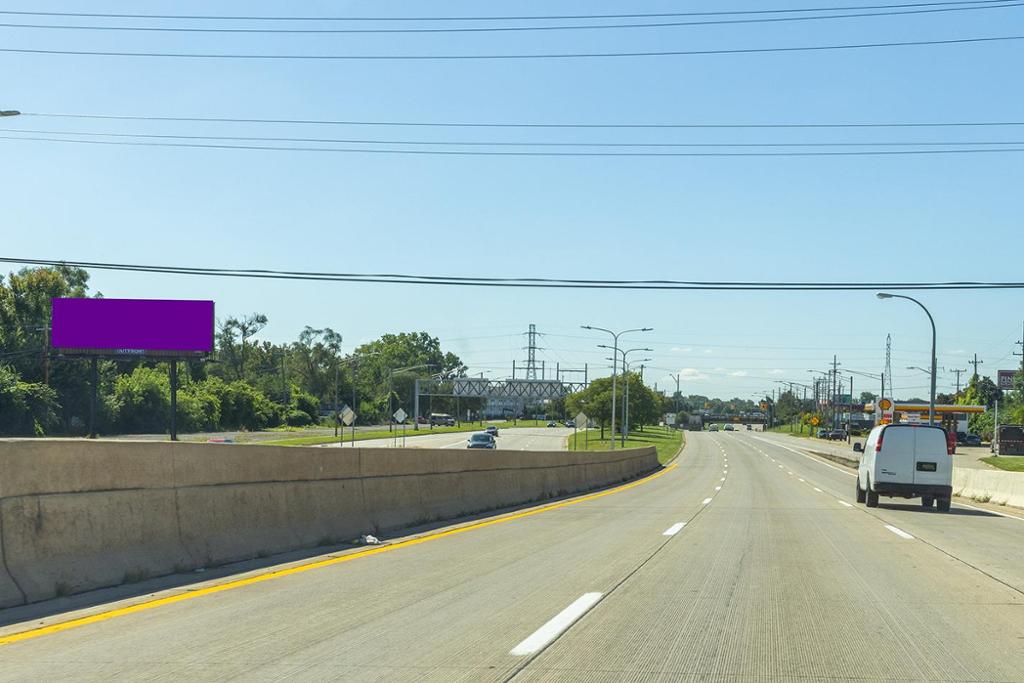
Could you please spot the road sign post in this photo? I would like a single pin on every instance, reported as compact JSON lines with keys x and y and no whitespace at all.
{"x":581,"y":417}
{"x":400,"y":416}
{"x":348,"y":417}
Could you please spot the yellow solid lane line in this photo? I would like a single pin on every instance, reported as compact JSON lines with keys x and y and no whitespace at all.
{"x":317,"y":564}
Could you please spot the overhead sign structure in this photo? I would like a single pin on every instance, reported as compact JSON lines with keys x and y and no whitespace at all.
{"x":132,"y":327}
{"x":1005,"y":379}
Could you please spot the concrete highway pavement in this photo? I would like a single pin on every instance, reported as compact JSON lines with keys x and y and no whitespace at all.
{"x":512,"y":439}
{"x":748,"y":560}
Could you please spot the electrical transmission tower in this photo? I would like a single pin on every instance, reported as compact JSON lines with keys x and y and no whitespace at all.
{"x":531,"y":352}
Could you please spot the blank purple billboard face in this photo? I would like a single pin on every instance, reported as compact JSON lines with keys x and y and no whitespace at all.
{"x":132,"y":326}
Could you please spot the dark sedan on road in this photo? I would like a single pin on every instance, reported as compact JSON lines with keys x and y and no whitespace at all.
{"x":492,"y":430}
{"x":481,"y":440}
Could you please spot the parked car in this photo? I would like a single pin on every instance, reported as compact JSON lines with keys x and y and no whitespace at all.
{"x":552,"y":424}
{"x":905,"y":461}
{"x":481,"y":440}
{"x":972,"y":440}
{"x":836,"y":435}
{"x":727,"y":428}
{"x":713,"y":428}
{"x":492,"y":430}
{"x":571,"y":424}
{"x":823,"y":433}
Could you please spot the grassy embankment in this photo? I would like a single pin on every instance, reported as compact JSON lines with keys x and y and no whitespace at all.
{"x":1008,"y":463}
{"x":666,"y":441}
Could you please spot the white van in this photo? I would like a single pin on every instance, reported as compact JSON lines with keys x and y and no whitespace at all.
{"x":905,"y":461}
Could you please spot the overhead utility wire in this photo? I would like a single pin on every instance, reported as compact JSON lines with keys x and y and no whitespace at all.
{"x":494,"y":29}
{"x":464,"y":124}
{"x":457,"y":143}
{"x":489,"y":153}
{"x":534,"y":17}
{"x":395,"y":278}
{"x":476,"y":57}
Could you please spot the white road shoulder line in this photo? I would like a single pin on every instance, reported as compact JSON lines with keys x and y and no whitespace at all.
{"x":817,"y":489}
{"x":843,"y":502}
{"x":718,"y":488}
{"x":674,"y":529}
{"x":706,"y":501}
{"x":899,"y":532}
{"x":540,"y":638}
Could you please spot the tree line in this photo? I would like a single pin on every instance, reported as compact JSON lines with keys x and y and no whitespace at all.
{"x":246,"y":384}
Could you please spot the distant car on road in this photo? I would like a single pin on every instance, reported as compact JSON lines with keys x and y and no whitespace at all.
{"x":713,"y":428}
{"x":837,"y":435}
{"x":571,"y":424}
{"x":552,"y":424}
{"x":481,"y":440}
{"x":492,"y":430}
{"x":749,"y":428}
{"x":972,"y":440}
{"x":727,"y":428}
{"x":823,"y":433}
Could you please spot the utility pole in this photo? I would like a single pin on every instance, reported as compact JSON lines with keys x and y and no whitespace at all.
{"x":958,"y":373}
{"x":1021,"y":354}
{"x":835,"y":377}
{"x":975,"y":363}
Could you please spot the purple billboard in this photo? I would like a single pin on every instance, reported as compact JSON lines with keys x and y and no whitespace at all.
{"x":132,"y":327}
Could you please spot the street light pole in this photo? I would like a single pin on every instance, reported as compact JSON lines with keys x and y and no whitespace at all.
{"x":931,"y":397}
{"x":625,"y":402}
{"x":615,"y":358}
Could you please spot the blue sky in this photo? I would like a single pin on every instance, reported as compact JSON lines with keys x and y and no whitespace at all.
{"x":851,"y":218}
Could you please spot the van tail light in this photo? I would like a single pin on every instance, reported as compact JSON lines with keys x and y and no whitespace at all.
{"x":878,"y":444}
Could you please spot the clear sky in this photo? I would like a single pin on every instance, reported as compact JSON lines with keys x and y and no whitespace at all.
{"x":857,"y":218}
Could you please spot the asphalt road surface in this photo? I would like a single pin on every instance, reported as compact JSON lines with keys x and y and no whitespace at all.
{"x":513,"y":439}
{"x":745,"y":561}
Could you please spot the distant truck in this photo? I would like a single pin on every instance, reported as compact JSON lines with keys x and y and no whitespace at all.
{"x":695,"y":423}
{"x":1008,"y":440}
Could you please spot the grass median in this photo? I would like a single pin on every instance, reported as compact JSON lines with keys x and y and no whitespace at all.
{"x":666,"y":441}
{"x":1008,"y":463}
{"x":424,"y":430}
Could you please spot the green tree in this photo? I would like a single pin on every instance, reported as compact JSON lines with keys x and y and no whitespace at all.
{"x":231,"y":341}
{"x":595,"y":402}
{"x":26,"y":408}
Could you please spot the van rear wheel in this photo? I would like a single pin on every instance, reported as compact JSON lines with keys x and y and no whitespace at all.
{"x":871,"y":497}
{"x":943,"y":504}
{"x":860,"y":492}
{"x":927,"y":501}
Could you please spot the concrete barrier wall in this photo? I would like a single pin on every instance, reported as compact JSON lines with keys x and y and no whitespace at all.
{"x":995,"y":486}
{"x":79,"y":515}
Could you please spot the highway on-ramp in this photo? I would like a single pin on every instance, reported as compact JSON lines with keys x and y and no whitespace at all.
{"x":746,"y":560}
{"x":512,"y":438}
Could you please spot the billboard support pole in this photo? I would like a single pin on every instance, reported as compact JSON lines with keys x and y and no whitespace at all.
{"x":174,"y":399}
{"x":95,"y":376}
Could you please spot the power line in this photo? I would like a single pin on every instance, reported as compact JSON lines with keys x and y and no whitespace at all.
{"x":401,"y":278}
{"x":545,"y":17}
{"x":478,"y":57}
{"x":466,"y":124}
{"x":435,"y":152}
{"x":457,"y":143}
{"x":494,"y":29}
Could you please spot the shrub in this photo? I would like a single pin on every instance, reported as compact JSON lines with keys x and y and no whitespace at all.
{"x":26,"y":408}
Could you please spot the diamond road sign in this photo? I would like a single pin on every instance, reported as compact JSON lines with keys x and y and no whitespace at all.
{"x":400,"y":415}
{"x":348,"y":416}
{"x":581,"y":420}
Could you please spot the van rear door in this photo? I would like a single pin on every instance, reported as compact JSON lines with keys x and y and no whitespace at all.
{"x":894,"y":463}
{"x":932,"y":462}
